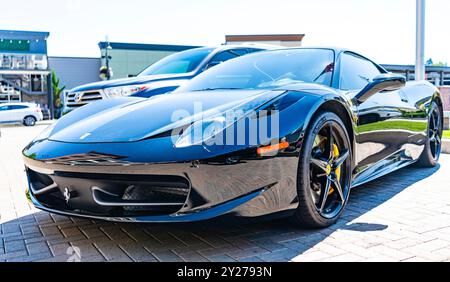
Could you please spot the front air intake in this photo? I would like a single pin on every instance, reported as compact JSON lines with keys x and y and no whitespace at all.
{"x":112,"y":194}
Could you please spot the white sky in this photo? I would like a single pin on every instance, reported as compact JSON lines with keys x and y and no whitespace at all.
{"x":383,"y":30}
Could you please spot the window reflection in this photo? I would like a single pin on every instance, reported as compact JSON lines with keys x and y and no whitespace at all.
{"x":23,"y":61}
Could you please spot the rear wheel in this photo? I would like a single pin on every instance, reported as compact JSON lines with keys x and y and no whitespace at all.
{"x":324,"y":173}
{"x":432,"y":151}
{"x":29,"y":121}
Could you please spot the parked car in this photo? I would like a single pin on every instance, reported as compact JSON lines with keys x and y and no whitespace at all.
{"x":128,"y":159}
{"x":163,"y":76}
{"x":26,"y":113}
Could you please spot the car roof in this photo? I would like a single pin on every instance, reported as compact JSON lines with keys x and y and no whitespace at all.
{"x":250,"y":45}
{"x":240,"y":46}
{"x":269,"y":47}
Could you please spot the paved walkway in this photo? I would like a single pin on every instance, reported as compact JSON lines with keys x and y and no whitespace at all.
{"x":402,"y":217}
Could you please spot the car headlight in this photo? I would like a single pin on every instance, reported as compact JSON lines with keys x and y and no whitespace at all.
{"x":204,"y":131}
{"x":201,"y":132}
{"x":123,"y":91}
{"x":45,"y":134}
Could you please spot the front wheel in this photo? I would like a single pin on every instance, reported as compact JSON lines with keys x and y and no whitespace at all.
{"x":432,"y":151}
{"x":324,"y":173}
{"x":29,"y":121}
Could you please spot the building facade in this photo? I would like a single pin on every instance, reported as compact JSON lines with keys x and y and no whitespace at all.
{"x":129,"y":59}
{"x":24,"y":68}
{"x":75,"y":71}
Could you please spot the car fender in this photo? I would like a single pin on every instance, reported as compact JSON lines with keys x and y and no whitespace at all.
{"x":315,"y":100}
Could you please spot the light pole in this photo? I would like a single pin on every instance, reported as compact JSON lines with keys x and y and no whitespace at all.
{"x":420,"y":40}
{"x":107,"y":59}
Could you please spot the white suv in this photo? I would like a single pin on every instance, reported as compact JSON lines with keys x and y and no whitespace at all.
{"x":26,"y":113}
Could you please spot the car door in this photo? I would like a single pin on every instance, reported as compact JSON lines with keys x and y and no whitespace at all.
{"x":382,"y":127}
{"x":4,"y":114}
{"x":418,"y":96}
{"x":21,"y":111}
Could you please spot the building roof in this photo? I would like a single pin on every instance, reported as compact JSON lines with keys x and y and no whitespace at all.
{"x":264,"y":37}
{"x":73,"y":58}
{"x":23,"y":34}
{"x":23,"y":42}
{"x":148,"y":47}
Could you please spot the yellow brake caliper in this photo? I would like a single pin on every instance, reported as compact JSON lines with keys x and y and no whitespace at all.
{"x":338,"y":170}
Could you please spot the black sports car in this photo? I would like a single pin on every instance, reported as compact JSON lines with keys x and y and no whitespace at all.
{"x":277,"y":131}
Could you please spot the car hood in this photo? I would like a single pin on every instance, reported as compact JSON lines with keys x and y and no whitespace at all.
{"x":130,"y":81}
{"x":134,"y":119}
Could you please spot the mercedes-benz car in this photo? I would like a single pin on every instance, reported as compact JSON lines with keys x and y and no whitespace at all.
{"x":286,"y":132}
{"x":164,"y":76}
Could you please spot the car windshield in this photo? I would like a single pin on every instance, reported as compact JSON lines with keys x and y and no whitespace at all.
{"x":182,"y":62}
{"x":268,"y":70}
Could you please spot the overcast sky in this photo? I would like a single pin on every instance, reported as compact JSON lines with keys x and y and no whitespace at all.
{"x":383,"y":30}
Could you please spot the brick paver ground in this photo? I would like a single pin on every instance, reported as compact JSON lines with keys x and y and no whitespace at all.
{"x":401,"y":217}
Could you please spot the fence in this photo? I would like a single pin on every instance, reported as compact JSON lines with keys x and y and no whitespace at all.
{"x":439,"y":76}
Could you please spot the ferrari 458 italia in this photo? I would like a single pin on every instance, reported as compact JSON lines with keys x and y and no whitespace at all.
{"x":287,"y":131}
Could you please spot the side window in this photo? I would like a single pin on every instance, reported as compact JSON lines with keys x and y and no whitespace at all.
{"x":4,"y":108}
{"x":228,"y":55}
{"x":356,"y":72}
{"x":239,"y":52}
{"x":225,"y":56}
{"x":17,"y":107}
{"x":252,"y":50}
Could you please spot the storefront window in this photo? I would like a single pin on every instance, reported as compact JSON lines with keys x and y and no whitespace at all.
{"x":23,"y":62}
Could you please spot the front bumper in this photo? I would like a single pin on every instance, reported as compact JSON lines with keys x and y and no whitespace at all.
{"x":98,"y":185}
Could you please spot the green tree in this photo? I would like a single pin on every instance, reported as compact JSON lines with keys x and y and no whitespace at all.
{"x":440,"y":64}
{"x":57,"y":91}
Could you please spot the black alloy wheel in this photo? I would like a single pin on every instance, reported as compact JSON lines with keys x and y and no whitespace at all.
{"x":435,"y":133}
{"x":433,"y":146}
{"x":324,"y":177}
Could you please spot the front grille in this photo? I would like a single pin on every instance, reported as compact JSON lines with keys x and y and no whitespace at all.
{"x":78,"y":99}
{"x":172,"y":196}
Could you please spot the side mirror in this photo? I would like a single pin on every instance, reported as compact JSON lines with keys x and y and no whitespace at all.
{"x":211,"y":64}
{"x":381,"y":83}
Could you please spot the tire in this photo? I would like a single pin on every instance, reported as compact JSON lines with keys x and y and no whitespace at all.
{"x":313,"y":211}
{"x":432,"y":151}
{"x":29,"y":121}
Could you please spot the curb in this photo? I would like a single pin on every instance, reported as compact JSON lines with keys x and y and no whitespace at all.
{"x":46,"y":122}
{"x":42,"y":122}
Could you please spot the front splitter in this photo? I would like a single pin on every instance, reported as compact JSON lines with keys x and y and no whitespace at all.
{"x":178,"y":217}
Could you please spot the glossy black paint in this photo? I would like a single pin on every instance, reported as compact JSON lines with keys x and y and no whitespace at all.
{"x":388,"y":130}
